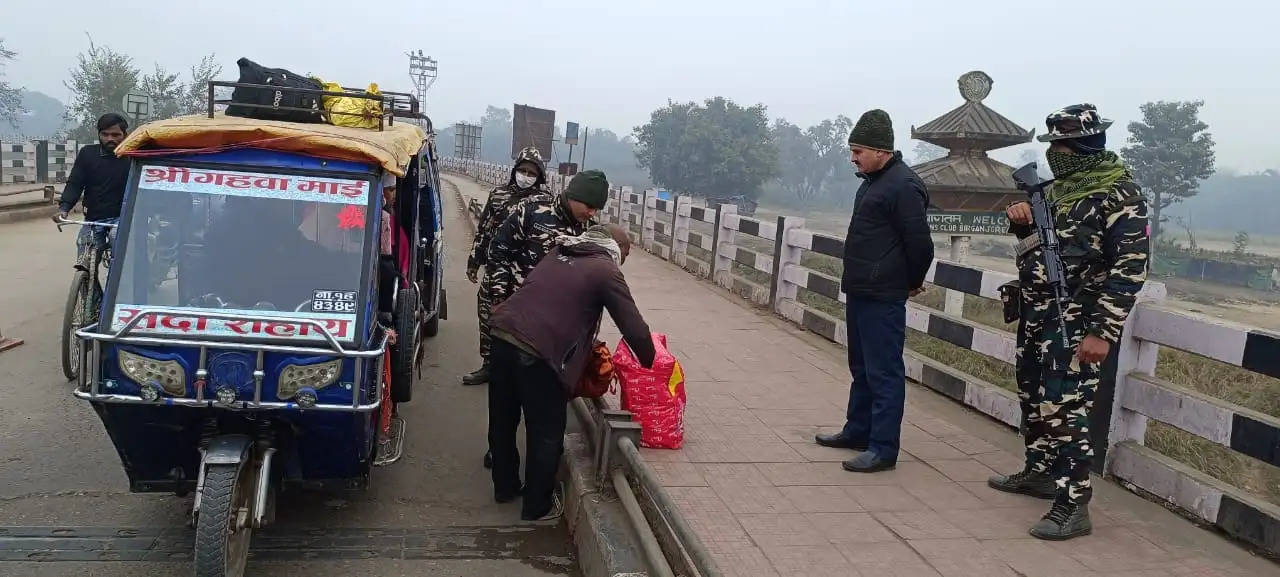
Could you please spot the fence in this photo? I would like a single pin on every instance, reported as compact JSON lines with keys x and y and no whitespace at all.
{"x":37,"y":161}
{"x":490,"y":173}
{"x":1124,"y":402}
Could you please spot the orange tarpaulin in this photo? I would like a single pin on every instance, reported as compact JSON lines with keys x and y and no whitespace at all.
{"x":392,"y":148}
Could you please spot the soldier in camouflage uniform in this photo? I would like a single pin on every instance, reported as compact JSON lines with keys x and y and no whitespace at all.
{"x":528,"y":177}
{"x":530,"y":232}
{"x":1101,"y":223}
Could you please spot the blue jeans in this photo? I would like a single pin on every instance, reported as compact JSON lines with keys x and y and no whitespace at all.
{"x":97,"y":235}
{"x":877,"y":333}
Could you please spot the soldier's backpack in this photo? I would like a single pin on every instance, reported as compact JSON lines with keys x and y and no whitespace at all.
{"x":254,"y":73}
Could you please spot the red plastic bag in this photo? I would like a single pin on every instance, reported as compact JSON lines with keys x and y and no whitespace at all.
{"x":655,"y":396}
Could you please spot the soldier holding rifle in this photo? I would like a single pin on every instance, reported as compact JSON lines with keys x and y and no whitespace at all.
{"x":1072,"y":300}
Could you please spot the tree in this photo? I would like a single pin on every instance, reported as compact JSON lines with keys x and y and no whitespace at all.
{"x":924,"y":152}
{"x":807,"y":159}
{"x":1170,"y":154}
{"x":10,"y":96}
{"x":195,"y":98}
{"x":796,"y":160}
{"x":831,"y":144}
{"x":98,"y":84}
{"x":166,"y":92}
{"x":1240,"y":244}
{"x":717,"y":149}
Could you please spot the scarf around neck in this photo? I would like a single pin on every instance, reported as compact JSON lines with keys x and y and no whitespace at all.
{"x":1079,"y":176}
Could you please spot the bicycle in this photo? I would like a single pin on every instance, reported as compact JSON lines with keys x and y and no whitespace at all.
{"x":85,"y":296}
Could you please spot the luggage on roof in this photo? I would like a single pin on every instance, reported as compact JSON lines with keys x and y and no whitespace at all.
{"x":279,"y":104}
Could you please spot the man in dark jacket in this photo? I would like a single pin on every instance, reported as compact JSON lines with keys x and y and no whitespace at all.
{"x":543,"y":337}
{"x":99,"y":176}
{"x":530,"y":232}
{"x":887,"y":253}
{"x":528,"y":177}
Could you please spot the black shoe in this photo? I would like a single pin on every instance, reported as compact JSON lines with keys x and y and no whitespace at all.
{"x":1026,"y":482}
{"x":488,"y":459}
{"x":1064,"y":521}
{"x":500,"y":497}
{"x":478,"y":377}
{"x":868,"y":462}
{"x":840,"y":441}
{"x":557,"y":507}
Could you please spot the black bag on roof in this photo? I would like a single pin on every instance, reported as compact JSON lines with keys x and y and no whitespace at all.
{"x":254,"y":73}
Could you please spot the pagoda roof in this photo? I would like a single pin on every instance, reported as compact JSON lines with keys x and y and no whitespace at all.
{"x":968,"y":171}
{"x":973,"y":126}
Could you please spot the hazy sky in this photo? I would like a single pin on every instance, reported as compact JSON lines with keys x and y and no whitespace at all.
{"x":609,"y":64}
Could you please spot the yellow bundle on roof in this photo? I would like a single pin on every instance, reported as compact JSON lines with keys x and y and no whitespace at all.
{"x":392,"y":148}
{"x":350,"y":111}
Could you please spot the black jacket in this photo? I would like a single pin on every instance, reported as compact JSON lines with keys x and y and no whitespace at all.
{"x":101,"y":177}
{"x":557,"y":310}
{"x":888,"y":250}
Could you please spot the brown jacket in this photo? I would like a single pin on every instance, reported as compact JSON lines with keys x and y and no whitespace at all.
{"x":557,"y":310}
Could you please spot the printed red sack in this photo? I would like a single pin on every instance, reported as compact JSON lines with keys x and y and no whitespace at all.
{"x":655,"y":396}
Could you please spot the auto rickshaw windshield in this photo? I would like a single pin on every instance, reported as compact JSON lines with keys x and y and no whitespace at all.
{"x":252,"y":243}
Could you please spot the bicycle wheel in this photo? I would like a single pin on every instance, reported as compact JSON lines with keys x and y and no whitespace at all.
{"x":73,"y":319}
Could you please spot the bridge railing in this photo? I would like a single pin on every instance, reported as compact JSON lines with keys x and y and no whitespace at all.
{"x":1125,"y":401}
{"x":21,"y":162}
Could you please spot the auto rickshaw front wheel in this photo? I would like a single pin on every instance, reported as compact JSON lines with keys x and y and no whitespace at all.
{"x":405,"y":351}
{"x":223,"y":523}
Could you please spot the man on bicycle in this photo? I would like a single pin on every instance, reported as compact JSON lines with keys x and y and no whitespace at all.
{"x":100,"y":176}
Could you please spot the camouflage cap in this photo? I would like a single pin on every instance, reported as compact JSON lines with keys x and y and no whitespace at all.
{"x":530,"y":154}
{"x":1074,"y":121}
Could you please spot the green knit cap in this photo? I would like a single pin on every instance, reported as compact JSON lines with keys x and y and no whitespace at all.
{"x":590,"y":187}
{"x":873,"y":130}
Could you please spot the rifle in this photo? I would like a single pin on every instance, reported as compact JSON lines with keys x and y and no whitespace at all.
{"x":1028,"y":180}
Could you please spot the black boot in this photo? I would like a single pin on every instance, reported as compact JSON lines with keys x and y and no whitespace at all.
{"x":488,"y":459}
{"x":478,"y":377}
{"x":1026,"y":482}
{"x":1064,"y":521}
{"x":840,"y":441}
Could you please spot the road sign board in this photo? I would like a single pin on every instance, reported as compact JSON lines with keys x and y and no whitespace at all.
{"x":968,"y":223}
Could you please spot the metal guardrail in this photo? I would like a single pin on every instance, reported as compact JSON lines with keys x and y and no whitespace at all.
{"x":614,"y":438}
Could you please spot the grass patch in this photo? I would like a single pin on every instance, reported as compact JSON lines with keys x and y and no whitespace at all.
{"x":751,"y":274}
{"x":1219,"y":462}
{"x":1220,"y":380}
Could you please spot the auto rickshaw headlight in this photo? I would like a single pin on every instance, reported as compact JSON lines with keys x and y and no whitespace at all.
{"x":294,"y":378}
{"x":169,"y":375}
{"x":226,"y":395}
{"x":306,"y":398}
{"x":149,"y":392}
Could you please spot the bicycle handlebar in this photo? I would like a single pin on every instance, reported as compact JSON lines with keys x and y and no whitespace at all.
{"x":65,"y":221}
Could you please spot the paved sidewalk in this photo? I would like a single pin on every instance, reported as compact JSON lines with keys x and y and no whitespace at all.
{"x":769,"y":502}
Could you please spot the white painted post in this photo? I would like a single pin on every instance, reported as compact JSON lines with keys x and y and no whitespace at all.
{"x":623,"y":193}
{"x":725,"y":240}
{"x":784,"y":254}
{"x":1138,"y":356}
{"x":959,"y":255}
{"x":680,"y":231}
{"x":648,"y":211}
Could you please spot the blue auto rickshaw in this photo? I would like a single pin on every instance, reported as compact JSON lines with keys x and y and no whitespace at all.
{"x":266,"y":345}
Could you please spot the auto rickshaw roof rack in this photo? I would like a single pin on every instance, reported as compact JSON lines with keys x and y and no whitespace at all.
{"x":392,"y":105}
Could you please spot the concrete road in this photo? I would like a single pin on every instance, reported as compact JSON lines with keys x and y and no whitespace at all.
{"x":61,"y":480}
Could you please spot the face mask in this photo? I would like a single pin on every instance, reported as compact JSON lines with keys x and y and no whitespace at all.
{"x":525,"y":181}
